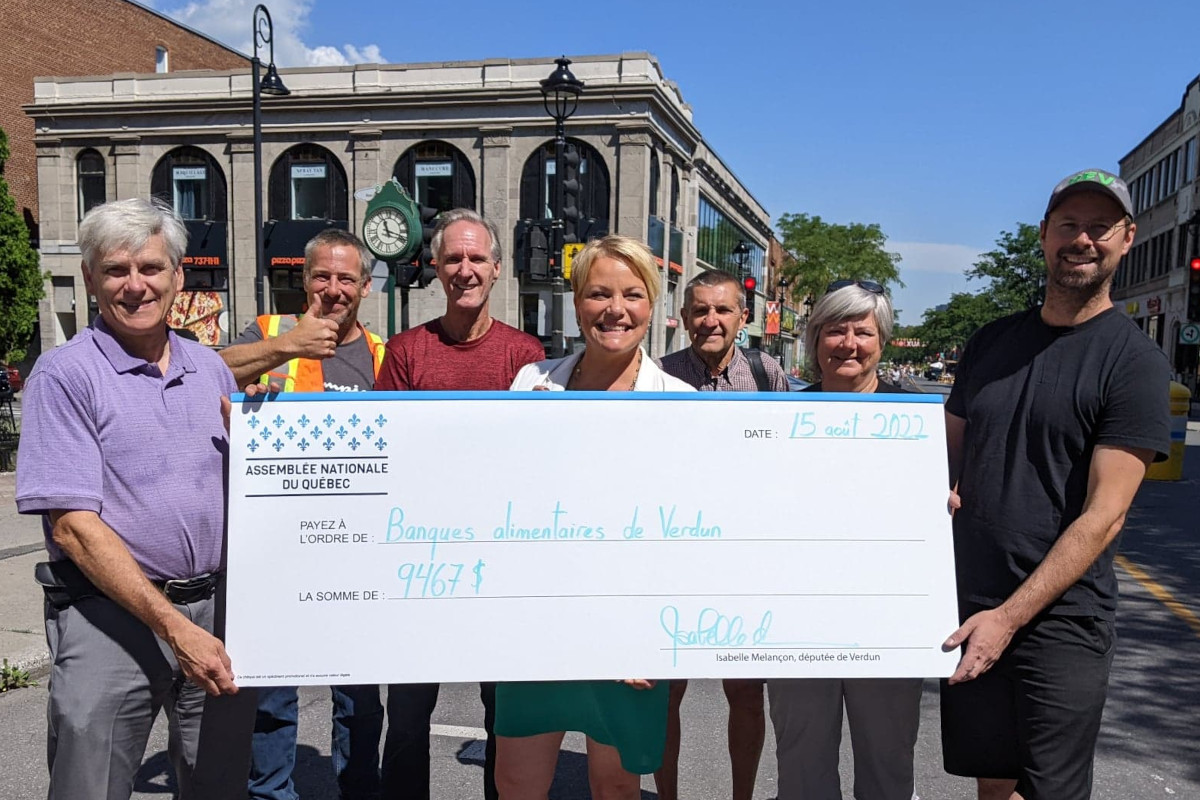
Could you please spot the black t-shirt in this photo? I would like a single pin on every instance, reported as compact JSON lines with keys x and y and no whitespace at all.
{"x":1037,"y":400}
{"x":881,"y":387}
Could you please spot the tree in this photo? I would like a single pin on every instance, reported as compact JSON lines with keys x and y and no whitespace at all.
{"x":21,"y":280}
{"x":827,"y":251}
{"x":1016,"y":276}
{"x":946,"y":330}
{"x":903,"y":355}
{"x":1016,"y":270}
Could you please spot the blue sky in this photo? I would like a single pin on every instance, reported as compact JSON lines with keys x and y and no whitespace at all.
{"x":946,"y":123}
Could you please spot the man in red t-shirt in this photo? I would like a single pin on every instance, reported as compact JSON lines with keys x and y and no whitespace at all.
{"x":464,"y":349}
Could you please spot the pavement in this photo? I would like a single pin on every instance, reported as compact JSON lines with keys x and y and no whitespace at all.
{"x":22,"y":632}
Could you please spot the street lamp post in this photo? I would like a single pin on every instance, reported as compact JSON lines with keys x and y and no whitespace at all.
{"x":560,"y":97}
{"x":783,"y":286}
{"x":264,"y":35}
{"x":740,"y":253}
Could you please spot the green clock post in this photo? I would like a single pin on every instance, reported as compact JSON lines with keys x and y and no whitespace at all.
{"x":391,"y":230}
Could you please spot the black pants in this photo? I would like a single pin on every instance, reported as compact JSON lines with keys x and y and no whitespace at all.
{"x":405,"y":767}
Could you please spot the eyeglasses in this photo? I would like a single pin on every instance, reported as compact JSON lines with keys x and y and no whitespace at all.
{"x":870,"y":286}
{"x":1096,"y":231}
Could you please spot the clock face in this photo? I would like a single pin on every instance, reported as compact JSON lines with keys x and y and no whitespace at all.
{"x":386,"y":232}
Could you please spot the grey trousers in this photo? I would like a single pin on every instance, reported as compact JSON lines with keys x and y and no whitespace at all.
{"x":109,"y":678}
{"x":884,"y":714}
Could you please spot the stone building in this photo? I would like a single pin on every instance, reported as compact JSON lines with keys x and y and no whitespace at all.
{"x":453,"y":134}
{"x":1151,"y":285}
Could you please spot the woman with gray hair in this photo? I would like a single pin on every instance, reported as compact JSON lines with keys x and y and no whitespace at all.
{"x":846,"y":333}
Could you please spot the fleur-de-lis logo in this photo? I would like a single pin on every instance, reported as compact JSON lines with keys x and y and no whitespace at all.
{"x":291,"y":432}
{"x":368,"y":432}
{"x":278,"y":421}
{"x":341,"y":432}
{"x":381,"y":420}
{"x":253,"y":445}
{"x":303,"y":445}
{"x":265,"y":434}
{"x":329,"y":420}
{"x":380,"y":443}
{"x":253,"y":422}
{"x":303,"y":421}
{"x":327,"y":444}
{"x":354,"y":420}
{"x":278,"y":445}
{"x":316,"y":432}
{"x":354,"y":444}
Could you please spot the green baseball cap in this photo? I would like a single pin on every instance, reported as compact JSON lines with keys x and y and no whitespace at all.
{"x":1091,"y":180}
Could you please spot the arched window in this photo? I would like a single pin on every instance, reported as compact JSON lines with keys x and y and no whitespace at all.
{"x":89,"y":180}
{"x":308,"y":182}
{"x":537,"y":191}
{"x":192,"y":182}
{"x":437,"y":175}
{"x":654,"y":179}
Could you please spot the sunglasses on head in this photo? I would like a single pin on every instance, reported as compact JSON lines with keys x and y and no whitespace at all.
{"x":870,"y":286}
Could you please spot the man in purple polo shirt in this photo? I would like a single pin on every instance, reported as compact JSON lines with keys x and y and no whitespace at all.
{"x":123,"y":454}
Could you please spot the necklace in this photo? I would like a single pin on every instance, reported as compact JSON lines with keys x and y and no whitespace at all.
{"x":578,"y":371}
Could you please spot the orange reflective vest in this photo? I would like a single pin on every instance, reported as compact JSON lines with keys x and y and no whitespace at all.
{"x":306,"y":374}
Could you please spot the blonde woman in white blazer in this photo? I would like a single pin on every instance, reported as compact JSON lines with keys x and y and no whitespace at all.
{"x":616,"y":283}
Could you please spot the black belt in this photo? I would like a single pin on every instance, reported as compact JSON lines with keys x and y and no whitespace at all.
{"x":190,"y":590}
{"x":64,"y":583}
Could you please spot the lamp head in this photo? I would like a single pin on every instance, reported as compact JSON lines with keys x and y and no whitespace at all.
{"x":272,"y":84}
{"x":562,"y":89}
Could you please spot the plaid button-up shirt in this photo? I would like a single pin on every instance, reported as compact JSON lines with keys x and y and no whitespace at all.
{"x":736,"y":377}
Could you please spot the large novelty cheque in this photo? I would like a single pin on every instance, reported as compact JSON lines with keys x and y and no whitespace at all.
{"x":441,"y":537}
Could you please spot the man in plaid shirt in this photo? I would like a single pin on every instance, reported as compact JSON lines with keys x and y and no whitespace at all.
{"x":714,"y":310}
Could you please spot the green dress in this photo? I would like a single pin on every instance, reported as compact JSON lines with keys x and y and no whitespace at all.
{"x":632,"y":720}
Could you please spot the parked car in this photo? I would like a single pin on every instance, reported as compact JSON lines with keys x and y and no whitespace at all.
{"x":15,"y":381}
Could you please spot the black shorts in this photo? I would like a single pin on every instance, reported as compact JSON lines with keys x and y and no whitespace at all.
{"x":1035,"y":715}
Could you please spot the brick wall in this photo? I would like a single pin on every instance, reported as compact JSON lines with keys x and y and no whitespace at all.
{"x":81,"y":37}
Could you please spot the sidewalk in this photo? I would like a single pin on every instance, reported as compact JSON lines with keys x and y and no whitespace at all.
{"x":22,"y":631}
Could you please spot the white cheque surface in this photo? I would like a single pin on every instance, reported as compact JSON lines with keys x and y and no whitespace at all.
{"x":446,"y":537}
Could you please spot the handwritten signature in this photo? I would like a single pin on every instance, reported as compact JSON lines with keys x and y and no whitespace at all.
{"x":712,"y":629}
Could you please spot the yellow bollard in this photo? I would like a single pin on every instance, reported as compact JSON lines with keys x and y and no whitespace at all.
{"x":1172,"y":468}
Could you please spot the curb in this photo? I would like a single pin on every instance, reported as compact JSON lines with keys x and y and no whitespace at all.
{"x":36,"y":664}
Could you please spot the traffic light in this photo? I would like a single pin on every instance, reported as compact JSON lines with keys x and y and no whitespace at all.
{"x":426,"y":272}
{"x":570,"y":193}
{"x":751,"y":284}
{"x":531,"y":251}
{"x":1193,"y":298}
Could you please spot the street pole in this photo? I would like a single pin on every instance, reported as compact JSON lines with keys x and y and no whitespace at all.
{"x":260,"y":270}
{"x":264,"y":34}
{"x":558,"y":339}
{"x":563,"y":89}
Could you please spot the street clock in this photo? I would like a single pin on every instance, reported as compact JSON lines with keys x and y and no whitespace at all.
{"x":392,"y":224}
{"x":386,"y":232}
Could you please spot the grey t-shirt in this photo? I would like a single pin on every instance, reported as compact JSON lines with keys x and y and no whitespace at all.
{"x":350,"y":370}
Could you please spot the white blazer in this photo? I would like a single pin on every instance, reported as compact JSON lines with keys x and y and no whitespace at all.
{"x":554,"y":373}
